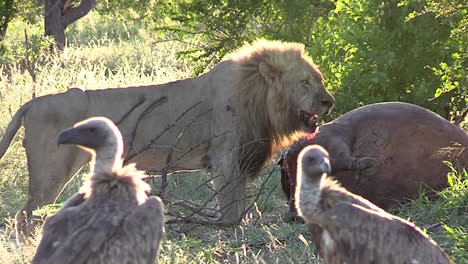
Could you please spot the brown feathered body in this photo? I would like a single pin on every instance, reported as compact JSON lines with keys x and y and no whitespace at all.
{"x":347,"y":228}
{"x":114,"y":224}
{"x":111,"y":219}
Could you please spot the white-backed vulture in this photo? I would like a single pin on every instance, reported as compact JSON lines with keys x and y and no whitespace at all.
{"x":347,"y":228}
{"x":111,"y":219}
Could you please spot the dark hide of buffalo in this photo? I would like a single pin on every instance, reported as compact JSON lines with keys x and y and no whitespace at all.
{"x":384,"y":152}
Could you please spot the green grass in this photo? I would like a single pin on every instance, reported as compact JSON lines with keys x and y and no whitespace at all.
{"x":110,"y":54}
{"x":446,"y":217}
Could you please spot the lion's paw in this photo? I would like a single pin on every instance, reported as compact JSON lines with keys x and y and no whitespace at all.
{"x":367,"y":166}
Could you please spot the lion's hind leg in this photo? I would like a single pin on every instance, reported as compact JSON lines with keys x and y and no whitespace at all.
{"x":48,"y":173}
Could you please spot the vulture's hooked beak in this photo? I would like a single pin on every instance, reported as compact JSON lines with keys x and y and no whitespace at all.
{"x":68,"y":136}
{"x":325,"y":166}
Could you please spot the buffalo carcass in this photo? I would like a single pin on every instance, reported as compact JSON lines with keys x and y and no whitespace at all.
{"x":384,"y":152}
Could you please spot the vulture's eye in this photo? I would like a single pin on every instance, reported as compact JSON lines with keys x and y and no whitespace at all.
{"x":92,"y":129}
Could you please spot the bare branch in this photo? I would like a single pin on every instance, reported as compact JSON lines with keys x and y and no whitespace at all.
{"x":171,"y":150}
{"x":190,"y":150}
{"x":131,"y":155}
{"x":195,"y":208}
{"x":75,"y":13}
{"x":151,"y":107}
{"x":262,"y":187}
{"x":30,"y":65}
{"x":117,"y":123}
{"x":191,"y":220}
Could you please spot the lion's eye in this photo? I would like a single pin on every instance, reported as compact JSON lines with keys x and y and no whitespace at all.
{"x":305,"y":82}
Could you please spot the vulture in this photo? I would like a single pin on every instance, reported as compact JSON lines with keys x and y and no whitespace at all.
{"x":111,"y":219}
{"x":347,"y":228}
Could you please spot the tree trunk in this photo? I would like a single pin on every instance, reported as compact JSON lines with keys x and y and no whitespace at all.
{"x":53,"y":21}
{"x":61,"y":13}
{"x":7,"y":12}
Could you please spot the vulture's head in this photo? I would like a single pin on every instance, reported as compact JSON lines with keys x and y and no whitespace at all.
{"x":313,"y":162}
{"x":100,"y":135}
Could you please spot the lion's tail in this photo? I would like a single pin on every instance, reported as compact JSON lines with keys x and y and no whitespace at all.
{"x":12,"y":128}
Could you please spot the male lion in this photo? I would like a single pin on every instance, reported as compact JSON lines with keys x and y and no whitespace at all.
{"x":229,"y":120}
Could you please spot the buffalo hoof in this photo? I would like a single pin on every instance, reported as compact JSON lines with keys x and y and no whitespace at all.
{"x":367,"y":166}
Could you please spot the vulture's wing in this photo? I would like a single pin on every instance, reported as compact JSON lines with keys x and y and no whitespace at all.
{"x":75,"y":200}
{"x":58,"y":228}
{"x":78,"y":235}
{"x":144,"y":228}
{"x":369,"y":236}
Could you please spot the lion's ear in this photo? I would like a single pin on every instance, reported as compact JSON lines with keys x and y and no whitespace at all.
{"x":268,"y":72}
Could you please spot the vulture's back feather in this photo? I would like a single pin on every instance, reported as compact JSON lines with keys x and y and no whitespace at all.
{"x":363,"y":235}
{"x":108,"y":227}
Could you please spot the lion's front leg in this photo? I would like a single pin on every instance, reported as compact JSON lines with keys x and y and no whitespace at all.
{"x":230,"y":184}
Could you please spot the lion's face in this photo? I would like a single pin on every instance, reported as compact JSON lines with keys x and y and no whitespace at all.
{"x":309,"y":97}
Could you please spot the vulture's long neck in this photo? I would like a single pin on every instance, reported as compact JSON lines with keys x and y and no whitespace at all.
{"x":309,"y":192}
{"x":108,"y":158}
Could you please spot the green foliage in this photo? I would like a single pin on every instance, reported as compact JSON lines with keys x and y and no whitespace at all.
{"x":9,"y":9}
{"x":454,"y":73}
{"x":145,"y":10}
{"x":215,"y":27}
{"x":24,"y":41}
{"x":385,"y":53}
{"x":369,"y":51}
{"x":36,"y":46}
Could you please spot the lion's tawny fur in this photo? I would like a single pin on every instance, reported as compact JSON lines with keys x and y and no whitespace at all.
{"x":264,"y":101}
{"x":278,"y":59}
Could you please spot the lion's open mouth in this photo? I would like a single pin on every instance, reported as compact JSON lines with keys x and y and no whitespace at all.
{"x":308,"y":121}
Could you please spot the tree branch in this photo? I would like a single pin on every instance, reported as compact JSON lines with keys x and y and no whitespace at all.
{"x":78,"y":12}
